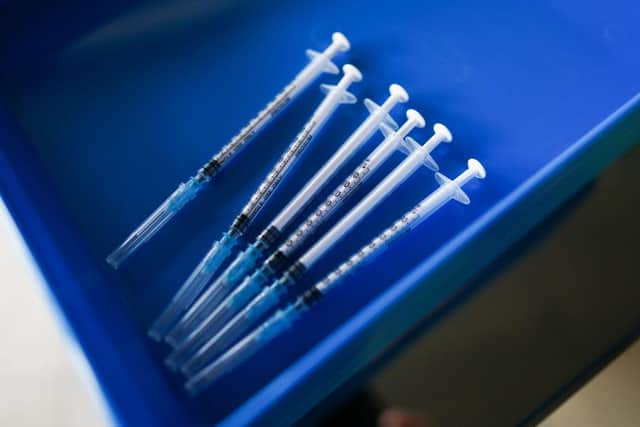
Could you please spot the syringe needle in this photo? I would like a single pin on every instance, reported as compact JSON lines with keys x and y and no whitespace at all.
{"x":167,"y":210}
{"x":192,"y":287}
{"x":378,"y":117}
{"x":166,"y":325}
{"x":321,"y":62}
{"x":241,"y":351}
{"x":260,"y":279}
{"x":247,"y":260}
{"x":203,"y":374}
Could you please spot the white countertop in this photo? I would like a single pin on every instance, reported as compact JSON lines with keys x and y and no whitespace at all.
{"x":44,"y":380}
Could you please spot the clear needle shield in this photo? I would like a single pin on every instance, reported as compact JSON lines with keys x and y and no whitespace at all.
{"x":252,"y":285}
{"x":196,"y":282}
{"x":222,"y":249}
{"x":217,"y":314}
{"x":394,"y":179}
{"x":204,"y":367}
{"x":240,"y":352}
{"x":321,"y":62}
{"x":163,"y":214}
{"x":247,"y":260}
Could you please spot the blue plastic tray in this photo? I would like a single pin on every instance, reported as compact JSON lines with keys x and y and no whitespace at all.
{"x":105,"y":109}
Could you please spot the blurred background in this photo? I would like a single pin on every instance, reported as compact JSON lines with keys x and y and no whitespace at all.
{"x":556,"y":315}
{"x":557,"y":310}
{"x":555,"y":327}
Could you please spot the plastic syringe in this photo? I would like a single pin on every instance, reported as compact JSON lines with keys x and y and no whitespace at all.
{"x":247,"y":260}
{"x":321,"y":62}
{"x":283,"y":319}
{"x":209,"y":315}
{"x":268,"y":295}
{"x":222,"y":249}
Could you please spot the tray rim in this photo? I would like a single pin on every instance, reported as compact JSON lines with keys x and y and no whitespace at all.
{"x":569,"y":171}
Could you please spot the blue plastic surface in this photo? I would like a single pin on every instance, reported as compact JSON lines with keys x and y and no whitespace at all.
{"x":106,"y":109}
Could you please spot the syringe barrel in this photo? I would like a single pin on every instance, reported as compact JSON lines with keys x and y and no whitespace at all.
{"x":321,"y":115}
{"x":187,"y":191}
{"x":358,"y":177}
{"x":363,"y":133}
{"x":377,"y":195}
{"x":447,"y":191}
{"x":319,"y":64}
{"x":404,"y":224}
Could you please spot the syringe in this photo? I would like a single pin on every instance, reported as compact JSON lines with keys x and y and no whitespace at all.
{"x":209,"y":316}
{"x":222,"y":249}
{"x":247,"y":260}
{"x":321,"y":62}
{"x":270,"y":294}
{"x":283,"y":319}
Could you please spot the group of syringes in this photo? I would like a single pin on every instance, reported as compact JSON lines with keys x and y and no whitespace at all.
{"x":208,"y":322}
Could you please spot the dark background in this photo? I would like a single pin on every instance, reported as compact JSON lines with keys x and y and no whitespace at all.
{"x":553,"y":316}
